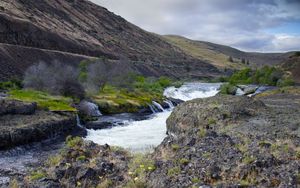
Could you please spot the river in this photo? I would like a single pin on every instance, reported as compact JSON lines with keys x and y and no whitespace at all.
{"x":143,"y":135}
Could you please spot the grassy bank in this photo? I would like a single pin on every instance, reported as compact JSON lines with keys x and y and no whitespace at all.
{"x":43,"y":100}
{"x":112,"y":98}
{"x":132,"y":97}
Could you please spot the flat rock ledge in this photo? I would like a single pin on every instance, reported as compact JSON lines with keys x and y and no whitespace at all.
{"x":21,"y":123}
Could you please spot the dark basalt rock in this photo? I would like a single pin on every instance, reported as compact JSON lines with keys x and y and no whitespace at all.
{"x":230,"y":141}
{"x":21,"y":123}
{"x":15,"y":107}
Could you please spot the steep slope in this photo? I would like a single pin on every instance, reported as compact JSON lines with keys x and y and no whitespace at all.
{"x":292,"y":64}
{"x":218,"y":55}
{"x":81,"y":27}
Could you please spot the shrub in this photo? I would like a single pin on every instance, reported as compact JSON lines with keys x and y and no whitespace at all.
{"x":10,"y":85}
{"x":184,"y":161}
{"x":81,"y":158}
{"x":55,"y":78}
{"x":202,"y":132}
{"x":54,"y":160}
{"x":74,"y":141}
{"x":266,"y":75}
{"x":285,"y":82}
{"x":72,"y":88}
{"x":36,"y":175}
{"x":228,"y":89}
{"x":175,"y":147}
{"x":173,"y":171}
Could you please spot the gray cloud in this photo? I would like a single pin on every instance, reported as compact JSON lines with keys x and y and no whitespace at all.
{"x":238,"y":23}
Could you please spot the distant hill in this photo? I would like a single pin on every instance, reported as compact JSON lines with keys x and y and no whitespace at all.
{"x":218,"y":55}
{"x":82,"y":28}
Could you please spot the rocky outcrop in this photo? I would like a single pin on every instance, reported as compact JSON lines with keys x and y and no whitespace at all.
{"x":15,"y":107}
{"x":231,"y":141}
{"x":85,"y":164}
{"x":21,"y":123}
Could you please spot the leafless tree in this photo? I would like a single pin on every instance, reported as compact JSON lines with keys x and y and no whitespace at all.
{"x":105,"y":72}
{"x":55,"y":78}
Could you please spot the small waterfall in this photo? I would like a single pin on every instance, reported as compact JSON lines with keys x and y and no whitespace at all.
{"x":171,"y":105}
{"x":158,"y":106}
{"x":155,"y":107}
{"x":152,"y":108}
{"x":78,"y":121}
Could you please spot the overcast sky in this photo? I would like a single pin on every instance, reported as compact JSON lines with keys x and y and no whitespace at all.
{"x":251,"y":25}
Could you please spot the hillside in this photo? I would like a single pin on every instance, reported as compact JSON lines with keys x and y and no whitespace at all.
{"x":218,"y":55}
{"x":292,"y":64}
{"x":83,"y":28}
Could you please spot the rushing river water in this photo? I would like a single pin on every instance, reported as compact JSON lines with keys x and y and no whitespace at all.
{"x":139,"y":136}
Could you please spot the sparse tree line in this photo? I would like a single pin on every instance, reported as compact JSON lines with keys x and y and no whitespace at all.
{"x":75,"y":81}
{"x":243,"y":60}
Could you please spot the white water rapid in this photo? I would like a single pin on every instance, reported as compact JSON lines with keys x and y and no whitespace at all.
{"x":141,"y":136}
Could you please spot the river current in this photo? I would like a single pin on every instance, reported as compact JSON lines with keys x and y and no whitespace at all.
{"x":143,"y":135}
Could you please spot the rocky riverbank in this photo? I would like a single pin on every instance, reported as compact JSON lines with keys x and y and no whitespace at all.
{"x":223,"y":141}
{"x":22,"y":123}
{"x":231,"y":141}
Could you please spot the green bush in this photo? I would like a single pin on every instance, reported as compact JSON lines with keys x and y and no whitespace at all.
{"x":10,"y":85}
{"x":266,"y":75}
{"x":73,"y":142}
{"x":36,"y":175}
{"x":285,"y":82}
{"x":228,"y":89}
{"x":173,"y":171}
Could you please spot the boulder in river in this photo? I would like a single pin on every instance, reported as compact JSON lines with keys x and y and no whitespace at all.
{"x":88,"y":109}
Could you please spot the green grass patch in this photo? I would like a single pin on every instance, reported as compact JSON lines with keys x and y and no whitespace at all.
{"x":175,"y":147}
{"x":36,"y":175}
{"x":173,"y":171}
{"x":43,"y":100}
{"x":73,"y":142}
{"x":132,"y":96}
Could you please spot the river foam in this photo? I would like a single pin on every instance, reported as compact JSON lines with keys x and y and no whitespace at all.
{"x":141,"y":136}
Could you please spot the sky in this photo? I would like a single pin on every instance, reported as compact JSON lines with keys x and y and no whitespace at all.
{"x":249,"y":25}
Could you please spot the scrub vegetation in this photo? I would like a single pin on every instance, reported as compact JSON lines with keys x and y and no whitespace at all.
{"x":112,"y":85}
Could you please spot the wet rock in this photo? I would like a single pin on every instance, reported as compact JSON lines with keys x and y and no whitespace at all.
{"x":89,"y":109}
{"x":250,"y":90}
{"x":176,"y":101}
{"x":86,"y":173}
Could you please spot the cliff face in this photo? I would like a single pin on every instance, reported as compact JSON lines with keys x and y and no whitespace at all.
{"x":83,"y":28}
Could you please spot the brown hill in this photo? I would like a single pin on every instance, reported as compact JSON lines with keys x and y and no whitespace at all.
{"x":83,"y":28}
{"x":218,"y":55}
